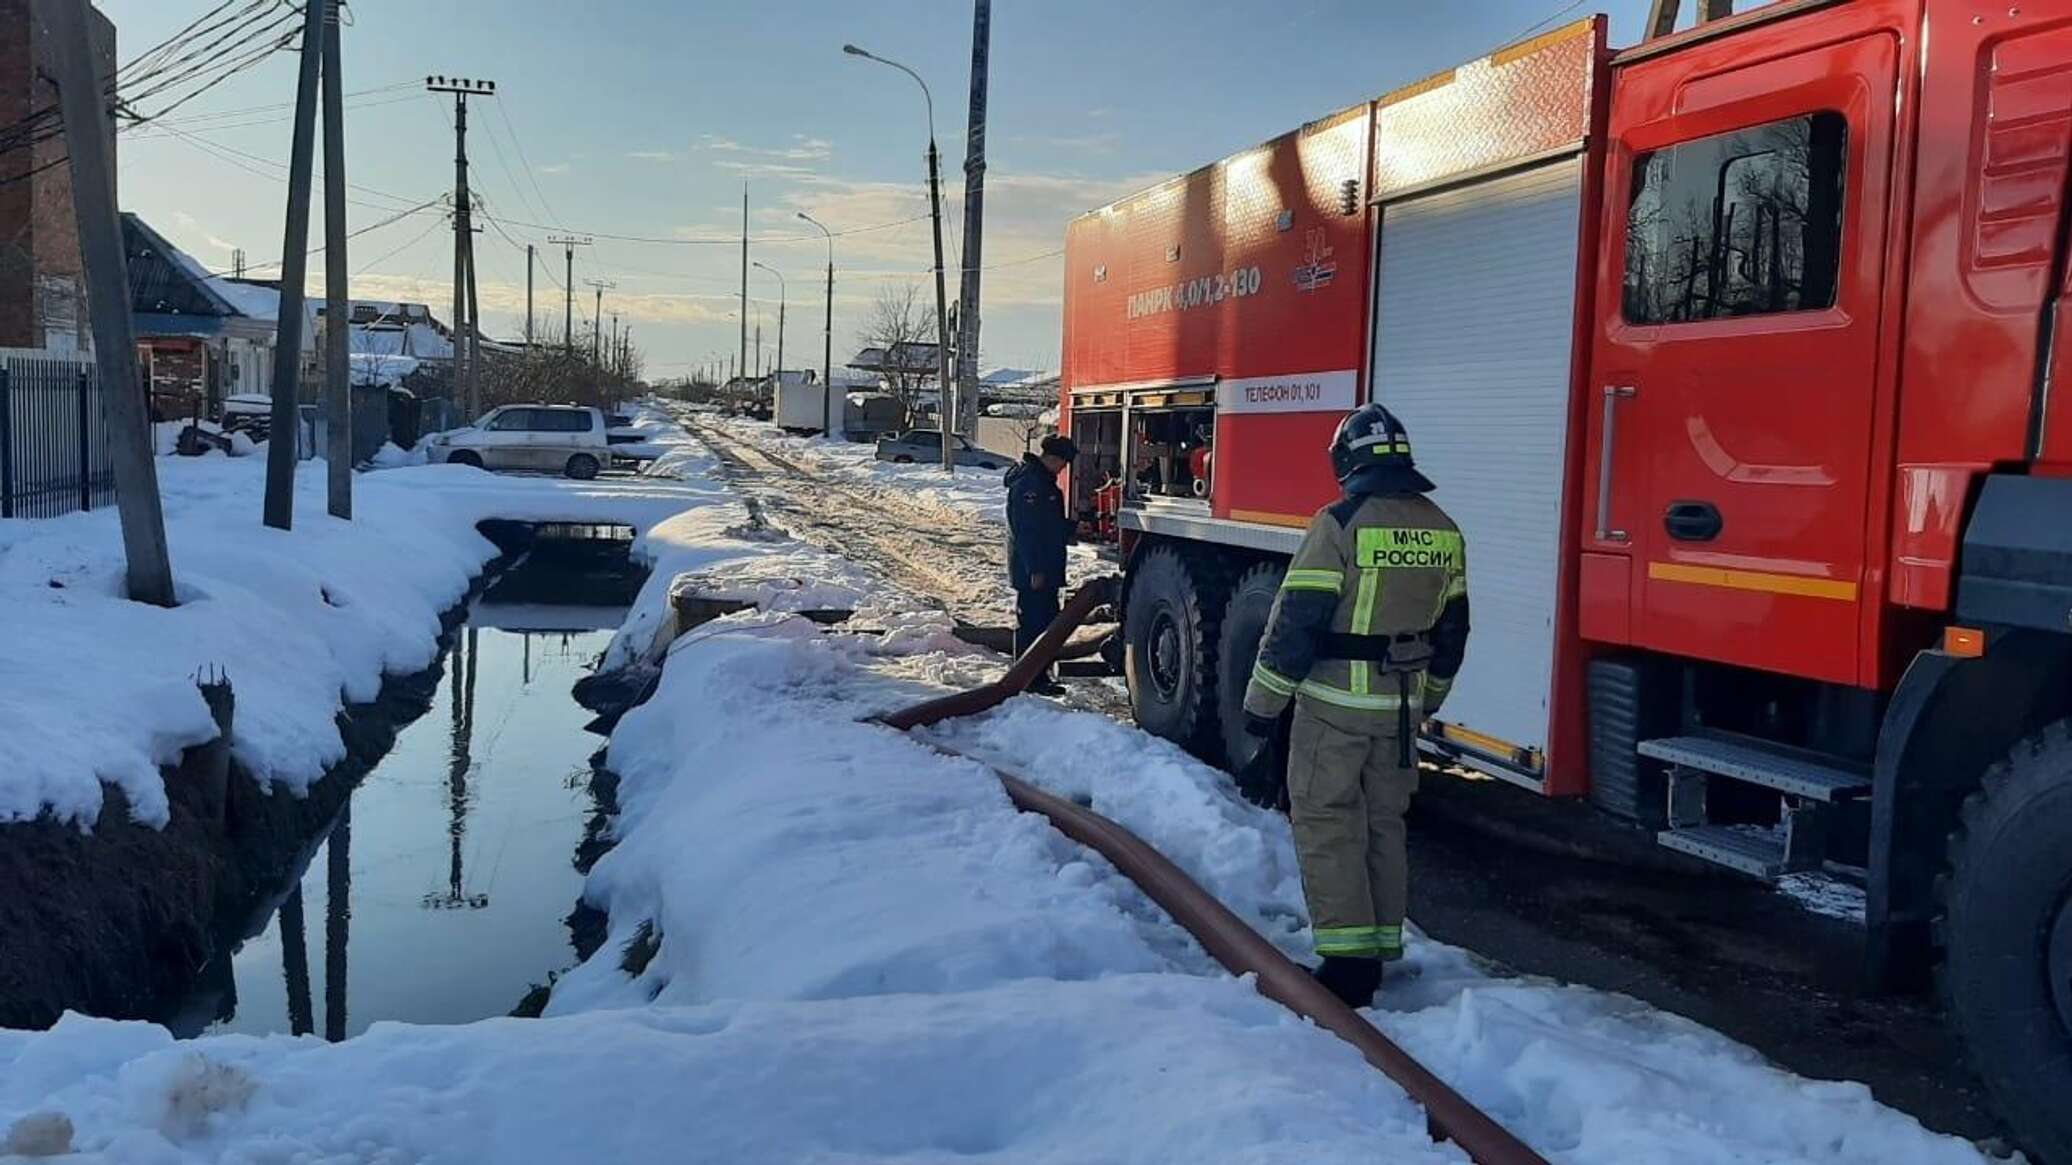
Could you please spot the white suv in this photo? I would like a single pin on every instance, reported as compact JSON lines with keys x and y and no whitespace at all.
{"x":556,"y":438}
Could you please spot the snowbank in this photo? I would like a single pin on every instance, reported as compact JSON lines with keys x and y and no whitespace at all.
{"x":102,"y":689}
{"x":1130,"y":1069}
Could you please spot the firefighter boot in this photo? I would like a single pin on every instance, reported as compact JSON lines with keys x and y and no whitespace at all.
{"x":1353,"y":980}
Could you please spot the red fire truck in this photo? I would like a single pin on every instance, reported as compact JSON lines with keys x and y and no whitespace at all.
{"x":1733,"y":355}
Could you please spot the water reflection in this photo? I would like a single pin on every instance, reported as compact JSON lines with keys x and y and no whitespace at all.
{"x":444,"y":883}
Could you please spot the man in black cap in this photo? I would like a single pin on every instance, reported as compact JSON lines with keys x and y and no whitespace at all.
{"x":1037,"y":531}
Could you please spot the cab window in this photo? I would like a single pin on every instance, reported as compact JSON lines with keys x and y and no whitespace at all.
{"x":1742,"y":223}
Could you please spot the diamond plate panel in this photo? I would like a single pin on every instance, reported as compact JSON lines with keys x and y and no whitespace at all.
{"x":1519,"y":101}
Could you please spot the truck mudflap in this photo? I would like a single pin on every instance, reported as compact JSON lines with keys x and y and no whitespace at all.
{"x":2017,"y":560}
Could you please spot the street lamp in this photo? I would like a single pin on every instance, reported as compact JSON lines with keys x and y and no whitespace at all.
{"x":782,"y":295}
{"x":827,"y":356}
{"x":942,"y":311}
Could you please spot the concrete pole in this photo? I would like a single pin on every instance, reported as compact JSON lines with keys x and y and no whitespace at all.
{"x":88,"y":139}
{"x":474,"y":336}
{"x":974,"y":217}
{"x":460,"y":256}
{"x":742,"y":361}
{"x":528,"y":300}
{"x":338,"y":454}
{"x":945,"y":391}
{"x":287,"y":350}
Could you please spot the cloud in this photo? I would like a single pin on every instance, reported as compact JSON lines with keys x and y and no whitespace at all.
{"x":766,"y":169}
{"x":651,"y":155}
{"x":193,"y":225}
{"x":802,"y":148}
{"x":1026,"y":215}
{"x":555,"y":168}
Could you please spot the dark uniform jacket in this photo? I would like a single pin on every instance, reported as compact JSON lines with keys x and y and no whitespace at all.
{"x":1037,"y":529}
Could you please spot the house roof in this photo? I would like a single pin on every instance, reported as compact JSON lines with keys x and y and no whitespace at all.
{"x":901,"y":357}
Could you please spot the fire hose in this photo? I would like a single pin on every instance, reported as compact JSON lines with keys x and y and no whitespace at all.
{"x":1226,"y":937}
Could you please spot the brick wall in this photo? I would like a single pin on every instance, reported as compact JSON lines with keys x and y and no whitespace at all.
{"x":42,"y":285}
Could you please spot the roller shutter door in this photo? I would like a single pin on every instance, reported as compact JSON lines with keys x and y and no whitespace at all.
{"x":1474,"y":327}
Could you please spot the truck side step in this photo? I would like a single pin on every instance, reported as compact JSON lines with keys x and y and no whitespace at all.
{"x":1755,"y":765}
{"x":1750,"y":849}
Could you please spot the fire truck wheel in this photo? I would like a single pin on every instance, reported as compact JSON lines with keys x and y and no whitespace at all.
{"x":1169,"y":648}
{"x":2006,"y":934}
{"x":1244,"y":624}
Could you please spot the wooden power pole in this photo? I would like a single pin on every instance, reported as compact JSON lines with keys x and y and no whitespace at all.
{"x":338,"y":402}
{"x":285,"y":431}
{"x":88,"y":134}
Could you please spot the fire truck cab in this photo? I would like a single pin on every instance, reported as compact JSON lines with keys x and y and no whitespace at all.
{"x":1733,"y":355}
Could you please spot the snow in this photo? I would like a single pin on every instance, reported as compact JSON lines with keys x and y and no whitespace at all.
{"x":967,"y":492}
{"x":1131,"y":1069}
{"x":860,"y":951}
{"x":102,"y":690}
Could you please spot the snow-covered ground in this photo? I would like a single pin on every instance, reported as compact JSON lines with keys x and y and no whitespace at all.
{"x":828,"y":941}
{"x":966,"y":491}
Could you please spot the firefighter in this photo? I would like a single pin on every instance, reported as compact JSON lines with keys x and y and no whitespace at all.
{"x":1365,"y":637}
{"x":1037,"y":532}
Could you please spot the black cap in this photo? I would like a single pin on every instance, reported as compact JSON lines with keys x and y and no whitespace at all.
{"x":1060,"y":446}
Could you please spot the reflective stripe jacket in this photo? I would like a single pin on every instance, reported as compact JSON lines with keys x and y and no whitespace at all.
{"x":1390,"y":569}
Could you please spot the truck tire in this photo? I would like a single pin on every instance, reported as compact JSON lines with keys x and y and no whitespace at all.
{"x":1169,"y":649}
{"x":1244,"y":625}
{"x":2006,"y":935}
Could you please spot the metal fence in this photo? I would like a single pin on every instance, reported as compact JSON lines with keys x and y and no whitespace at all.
{"x":54,"y":449}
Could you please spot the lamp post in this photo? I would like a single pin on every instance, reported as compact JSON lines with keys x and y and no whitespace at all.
{"x":942,"y":311}
{"x":827,"y":355}
{"x":782,"y":295}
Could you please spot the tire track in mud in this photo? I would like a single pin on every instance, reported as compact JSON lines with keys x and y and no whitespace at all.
{"x":907,"y":544}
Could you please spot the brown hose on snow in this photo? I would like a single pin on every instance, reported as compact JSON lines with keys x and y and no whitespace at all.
{"x":1225,"y":936}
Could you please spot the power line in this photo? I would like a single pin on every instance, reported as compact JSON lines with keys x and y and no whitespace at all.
{"x":530,"y":173}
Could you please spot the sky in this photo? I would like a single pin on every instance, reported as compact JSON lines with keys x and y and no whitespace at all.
{"x":643,"y":119}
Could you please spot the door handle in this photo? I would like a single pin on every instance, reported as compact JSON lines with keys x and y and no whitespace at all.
{"x":1693,"y":521}
{"x":1613,"y":393}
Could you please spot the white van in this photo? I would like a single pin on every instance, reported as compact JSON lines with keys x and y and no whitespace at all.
{"x":554,"y":438}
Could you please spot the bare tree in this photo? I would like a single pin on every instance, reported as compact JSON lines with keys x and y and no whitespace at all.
{"x":899,"y":316}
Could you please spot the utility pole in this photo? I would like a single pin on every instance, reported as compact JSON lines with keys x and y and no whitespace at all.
{"x":528,"y":301}
{"x":742,"y":361}
{"x":783,"y":293}
{"x":338,"y":401}
{"x":474,"y":335}
{"x":827,"y":339}
{"x":285,"y":428}
{"x":597,"y":320}
{"x":89,"y":135}
{"x":568,"y":244}
{"x":462,"y":88}
{"x":974,"y":215}
{"x":943,"y":391}
{"x":759,"y":344}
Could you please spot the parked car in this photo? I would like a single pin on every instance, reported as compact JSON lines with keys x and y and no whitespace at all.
{"x":918,"y":445}
{"x":555,"y":438}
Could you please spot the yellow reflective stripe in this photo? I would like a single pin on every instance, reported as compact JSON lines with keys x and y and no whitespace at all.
{"x":1318,"y":690}
{"x":1313,"y":580}
{"x":1272,"y":680}
{"x":1433,"y":683}
{"x":1408,"y":548}
{"x":1363,"y":624}
{"x":1456,"y":587}
{"x":1351,"y":940}
{"x":1389,"y":939}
